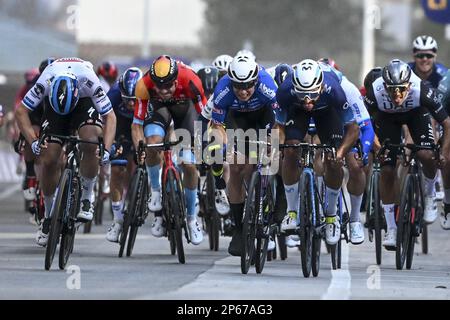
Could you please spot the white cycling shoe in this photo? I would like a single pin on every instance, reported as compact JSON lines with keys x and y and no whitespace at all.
{"x":356,"y":233}
{"x":158,"y":230}
{"x":86,"y":211}
{"x":222,"y":204}
{"x":114,"y":231}
{"x":430,"y":213}
{"x":195,"y":231}
{"x":154,"y":204}
{"x":390,"y":238}
{"x":332,"y":230}
{"x":289,"y":221}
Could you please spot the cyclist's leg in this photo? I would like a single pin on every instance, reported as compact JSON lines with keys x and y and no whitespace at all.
{"x":355,"y":187}
{"x":87,"y":121}
{"x":419,"y":124}
{"x":389,"y":126}
{"x":296,"y":129}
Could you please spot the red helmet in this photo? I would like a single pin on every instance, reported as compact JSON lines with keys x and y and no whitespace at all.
{"x":31,"y":75}
{"x":108,"y":70}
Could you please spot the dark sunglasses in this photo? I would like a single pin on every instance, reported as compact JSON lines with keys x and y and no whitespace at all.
{"x":424,"y":55}
{"x":163,"y":86}
{"x":243,"y":86}
{"x":313,"y":96}
{"x":401,"y":88}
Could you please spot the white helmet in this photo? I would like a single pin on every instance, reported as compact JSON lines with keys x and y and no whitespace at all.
{"x":308,"y":76}
{"x":222,"y":62}
{"x":425,"y":43}
{"x":243,"y":69}
{"x":245,"y":52}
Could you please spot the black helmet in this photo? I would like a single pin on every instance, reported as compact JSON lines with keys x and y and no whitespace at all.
{"x":282,"y":71}
{"x":209,"y":77}
{"x":163,"y":70}
{"x":373,"y":75}
{"x":45,"y":63}
{"x":396,"y":73}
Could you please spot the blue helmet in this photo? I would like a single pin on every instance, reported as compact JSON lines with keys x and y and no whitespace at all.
{"x":128,"y":81}
{"x":282,"y":71}
{"x":64,"y":93}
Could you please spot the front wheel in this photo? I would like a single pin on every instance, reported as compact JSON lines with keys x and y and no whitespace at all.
{"x":404,"y":232}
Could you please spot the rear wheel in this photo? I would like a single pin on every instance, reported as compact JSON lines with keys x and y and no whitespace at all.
{"x":377,"y":215}
{"x":425,"y":239}
{"x":251,"y":210}
{"x":177,"y":213}
{"x":306,"y":228}
{"x":57,"y":217}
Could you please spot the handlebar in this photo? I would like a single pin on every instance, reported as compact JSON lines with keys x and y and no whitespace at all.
{"x":414,"y":148}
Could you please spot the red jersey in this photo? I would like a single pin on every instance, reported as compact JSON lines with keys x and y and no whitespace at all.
{"x":189,"y":87}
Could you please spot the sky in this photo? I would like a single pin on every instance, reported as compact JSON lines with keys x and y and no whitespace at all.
{"x":121,"y":21}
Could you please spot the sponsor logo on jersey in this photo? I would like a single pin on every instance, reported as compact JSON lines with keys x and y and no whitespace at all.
{"x":89,"y":84}
{"x":218,"y":111}
{"x":327,"y":88}
{"x":270,"y":93}
{"x":221,"y":94}
{"x":99,"y":93}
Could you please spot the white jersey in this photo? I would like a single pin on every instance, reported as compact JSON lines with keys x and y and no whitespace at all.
{"x":208,"y":108}
{"x":89,"y":84}
{"x":384,"y":102}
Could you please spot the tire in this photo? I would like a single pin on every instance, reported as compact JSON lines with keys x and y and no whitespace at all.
{"x":213,"y":226}
{"x":333,"y":253}
{"x":57,"y":217}
{"x":249,"y":224}
{"x":306,"y":227}
{"x":129,"y":209}
{"x":377,"y":216}
{"x":403,"y":223}
{"x":176,"y":205}
{"x":282,"y":246}
{"x":69,"y":228}
{"x":140,"y":207}
{"x":315,"y":255}
{"x":425,"y":239}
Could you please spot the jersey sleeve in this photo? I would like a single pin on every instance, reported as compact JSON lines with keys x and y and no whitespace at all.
{"x":370,"y":101}
{"x":98,"y":94}
{"x":430,"y":100}
{"x":115,"y":96}
{"x":140,"y":106}
{"x":196,"y":92}
{"x":36,"y":94}
{"x":341,"y":104}
{"x":221,"y":103}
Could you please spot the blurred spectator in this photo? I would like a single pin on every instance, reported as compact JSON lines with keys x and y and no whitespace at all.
{"x":1,"y":116}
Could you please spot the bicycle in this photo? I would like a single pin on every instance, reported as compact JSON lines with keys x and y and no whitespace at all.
{"x":135,"y":205}
{"x":67,"y":202}
{"x":409,"y":217}
{"x":310,"y":222}
{"x":174,"y":203}
{"x":258,"y":225}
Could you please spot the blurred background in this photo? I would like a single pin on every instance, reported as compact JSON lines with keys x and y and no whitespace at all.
{"x":358,"y":34}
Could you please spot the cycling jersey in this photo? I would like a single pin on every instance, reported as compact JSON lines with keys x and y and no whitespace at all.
{"x":225,"y":100}
{"x":189,"y":88}
{"x":89,"y":84}
{"x":436,"y":75}
{"x":119,"y":106}
{"x":444,"y":91}
{"x":420,"y":95}
{"x":333,"y":96}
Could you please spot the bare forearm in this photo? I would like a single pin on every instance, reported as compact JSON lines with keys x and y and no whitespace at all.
{"x":24,"y":124}
{"x":137,"y":134}
{"x":350,"y":138}
{"x":110,"y":129}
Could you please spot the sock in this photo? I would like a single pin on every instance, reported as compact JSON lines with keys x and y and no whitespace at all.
{"x":190,"y":195}
{"x":389,"y":214}
{"x":332,"y":197}
{"x":217,"y":170}
{"x":356,"y":206}
{"x":87,"y":187}
{"x":447,"y":196}
{"x":292,"y":197}
{"x":237,"y":210}
{"x":429,"y":187}
{"x":48,"y":202}
{"x":117,"y":210}
{"x":29,"y":165}
{"x":153,"y":173}
{"x":319,"y":182}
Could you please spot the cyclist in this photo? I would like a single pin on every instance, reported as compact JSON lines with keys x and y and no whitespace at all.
{"x":222,"y":62}
{"x":165,"y":94}
{"x":122,"y":96}
{"x":245,"y":99}
{"x":73,"y":100}
{"x":2,"y":115}
{"x":402,"y":98}
{"x":313,"y":92}
{"x":107,"y":73}
{"x":444,"y":91}
{"x":357,"y":176}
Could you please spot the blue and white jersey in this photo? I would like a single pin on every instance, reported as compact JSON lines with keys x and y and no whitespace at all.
{"x":439,"y":71}
{"x":120,"y":107}
{"x":332,"y":96}
{"x":89,"y":84}
{"x":225,"y":99}
{"x":444,"y":91}
{"x":353,"y":95}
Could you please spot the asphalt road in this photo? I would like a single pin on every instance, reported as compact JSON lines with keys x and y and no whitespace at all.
{"x":95,"y":272}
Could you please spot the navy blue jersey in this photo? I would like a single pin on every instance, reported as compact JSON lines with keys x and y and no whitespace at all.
{"x":120,"y":108}
{"x":436,"y":75}
{"x":225,"y":99}
{"x":333,"y":96}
